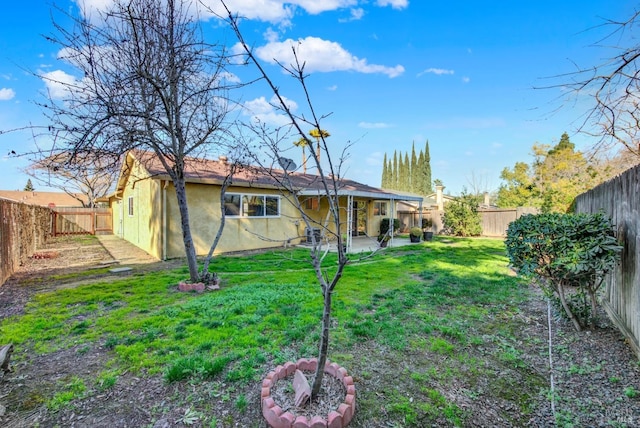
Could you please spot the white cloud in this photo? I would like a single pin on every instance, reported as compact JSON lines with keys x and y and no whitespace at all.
{"x":374,"y":125}
{"x":321,"y":56}
{"x":332,"y":88}
{"x":6,"y":94}
{"x":274,"y":11}
{"x":436,"y":71}
{"x":356,"y":15}
{"x":58,"y":83}
{"x":264,"y":111}
{"x":466,"y":79}
{"x":396,"y":4}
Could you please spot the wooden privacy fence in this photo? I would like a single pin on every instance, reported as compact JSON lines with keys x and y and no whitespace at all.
{"x":619,"y":198}
{"x":23,"y":228}
{"x":494,"y":221}
{"x":71,"y":221}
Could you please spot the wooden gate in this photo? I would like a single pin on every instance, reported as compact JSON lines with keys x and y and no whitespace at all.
{"x":93,"y":221}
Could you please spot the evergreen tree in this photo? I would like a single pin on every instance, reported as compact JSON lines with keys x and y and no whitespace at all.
{"x":426,"y":171}
{"x":421,"y":188}
{"x":406,"y":174}
{"x":385,"y":173}
{"x":29,"y":186}
{"x":396,"y":176}
{"x":414,"y":170}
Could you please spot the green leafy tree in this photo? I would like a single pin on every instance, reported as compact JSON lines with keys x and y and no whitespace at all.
{"x":557,"y":175}
{"x":461,"y":217}
{"x":518,"y":189}
{"x":565,"y":252}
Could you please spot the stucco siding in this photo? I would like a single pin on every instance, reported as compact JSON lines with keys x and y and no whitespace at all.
{"x":240,"y":233}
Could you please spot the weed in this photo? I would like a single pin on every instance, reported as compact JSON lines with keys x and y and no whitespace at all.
{"x":72,"y":390}
{"x":241,"y":403}
{"x":190,"y":416}
{"x":106,"y":380}
{"x":630,"y":392}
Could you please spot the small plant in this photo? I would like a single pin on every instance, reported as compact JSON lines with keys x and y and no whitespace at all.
{"x":416,"y":232}
{"x":241,"y":403}
{"x":630,"y":392}
{"x":190,"y":416}
{"x":427,"y":223}
{"x":385,"y":225}
{"x":106,"y":380}
{"x":74,"y":389}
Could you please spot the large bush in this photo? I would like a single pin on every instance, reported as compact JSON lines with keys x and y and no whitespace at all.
{"x":565,"y":253}
{"x":461,"y":217}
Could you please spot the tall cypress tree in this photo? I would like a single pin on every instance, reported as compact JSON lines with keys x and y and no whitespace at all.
{"x":413,"y":185}
{"x":426,"y":170}
{"x":406,"y":174}
{"x":421,"y":188}
{"x":396,"y":176}
{"x":385,"y":173}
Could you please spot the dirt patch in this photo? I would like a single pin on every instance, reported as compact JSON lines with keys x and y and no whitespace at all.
{"x":596,"y":376}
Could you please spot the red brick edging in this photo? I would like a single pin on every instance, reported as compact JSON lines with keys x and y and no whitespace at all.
{"x":276,"y":418}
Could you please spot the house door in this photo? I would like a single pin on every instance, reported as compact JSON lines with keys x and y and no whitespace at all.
{"x":358,"y":218}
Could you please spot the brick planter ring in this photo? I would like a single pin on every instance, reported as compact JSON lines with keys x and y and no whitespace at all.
{"x":339,"y":418}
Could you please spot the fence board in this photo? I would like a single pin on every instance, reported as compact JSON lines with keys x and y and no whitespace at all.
{"x":23,"y":228}
{"x":619,"y":198}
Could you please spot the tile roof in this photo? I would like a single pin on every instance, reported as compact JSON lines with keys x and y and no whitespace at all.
{"x":45,"y":199}
{"x":215,"y":171}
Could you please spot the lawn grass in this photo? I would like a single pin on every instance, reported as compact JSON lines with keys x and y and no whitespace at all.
{"x":439,"y":312}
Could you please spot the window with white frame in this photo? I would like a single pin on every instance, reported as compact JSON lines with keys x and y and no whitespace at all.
{"x":250,"y":205}
{"x":130,"y":206}
{"x":379,"y":208}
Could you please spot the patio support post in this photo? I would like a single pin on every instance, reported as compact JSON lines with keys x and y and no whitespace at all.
{"x":349,"y":221}
{"x":393,"y":216}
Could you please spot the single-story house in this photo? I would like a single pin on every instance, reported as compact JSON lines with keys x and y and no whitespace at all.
{"x":259,"y":213}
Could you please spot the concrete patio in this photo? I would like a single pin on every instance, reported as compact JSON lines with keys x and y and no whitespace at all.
{"x":361,"y":244}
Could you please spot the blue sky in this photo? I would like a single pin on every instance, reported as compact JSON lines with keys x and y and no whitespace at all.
{"x":460,"y":74}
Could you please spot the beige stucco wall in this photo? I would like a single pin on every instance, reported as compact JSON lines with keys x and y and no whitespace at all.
{"x":240,"y":233}
{"x":143,"y":227}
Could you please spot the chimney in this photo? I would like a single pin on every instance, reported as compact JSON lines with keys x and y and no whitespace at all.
{"x":487,"y":201}
{"x":439,"y":197}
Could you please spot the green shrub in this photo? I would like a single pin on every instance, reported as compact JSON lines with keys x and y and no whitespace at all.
{"x":461,"y":217}
{"x":385,"y":224}
{"x":564,"y":252}
{"x":415,"y":231}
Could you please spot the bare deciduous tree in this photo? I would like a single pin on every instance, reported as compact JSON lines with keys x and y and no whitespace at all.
{"x":148,"y":81}
{"x":86,"y":177}
{"x":329,"y":184}
{"x":614,"y":86}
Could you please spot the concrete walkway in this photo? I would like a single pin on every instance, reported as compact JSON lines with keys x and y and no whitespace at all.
{"x":124,"y":252}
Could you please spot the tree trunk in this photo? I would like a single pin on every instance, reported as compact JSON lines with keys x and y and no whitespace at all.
{"x":324,"y":343}
{"x":5,"y":356}
{"x":189,"y":248}
{"x":572,"y":317}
